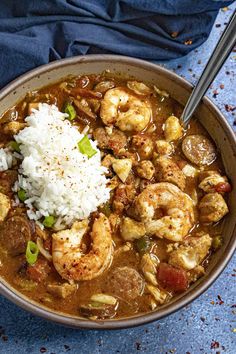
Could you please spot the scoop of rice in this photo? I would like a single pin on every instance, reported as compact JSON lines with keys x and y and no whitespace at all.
{"x":57,"y":178}
{"x":6,"y":159}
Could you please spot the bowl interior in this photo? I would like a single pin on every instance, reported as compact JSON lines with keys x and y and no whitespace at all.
{"x":179,"y":89}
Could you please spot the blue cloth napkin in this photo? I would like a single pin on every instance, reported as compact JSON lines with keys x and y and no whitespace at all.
{"x":34,"y":32}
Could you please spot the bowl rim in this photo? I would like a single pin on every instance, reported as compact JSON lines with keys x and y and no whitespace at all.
{"x":63,"y":319}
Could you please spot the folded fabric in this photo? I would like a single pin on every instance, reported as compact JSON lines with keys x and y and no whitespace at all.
{"x":35,"y":32}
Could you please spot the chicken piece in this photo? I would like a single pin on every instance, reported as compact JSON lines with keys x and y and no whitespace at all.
{"x":196,"y":273}
{"x":159,"y":295}
{"x":31,"y":106}
{"x":123,"y":197}
{"x":61,"y":290}
{"x":212,"y":208}
{"x":115,"y":221}
{"x":210,"y":183}
{"x":164,"y":147}
{"x":5,"y":206}
{"x":13,"y":128}
{"x":131,"y":230}
{"x":143,"y":144}
{"x":168,"y":171}
{"x":145,"y":169}
{"x":149,"y":263}
{"x":172,"y":129}
{"x":190,"y":171}
{"x":192,"y":254}
{"x":122,"y":168}
{"x":112,"y":139}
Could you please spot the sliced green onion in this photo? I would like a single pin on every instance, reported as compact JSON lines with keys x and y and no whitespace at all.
{"x":32,"y":252}
{"x":69,"y":109}
{"x":22,"y":195}
{"x":85,"y":147}
{"x":106,"y":209}
{"x":217,"y":242}
{"x":143,"y":244}
{"x":14,"y":145}
{"x":49,"y":221}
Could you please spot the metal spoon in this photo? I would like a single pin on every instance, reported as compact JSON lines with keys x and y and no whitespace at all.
{"x":221,"y":52}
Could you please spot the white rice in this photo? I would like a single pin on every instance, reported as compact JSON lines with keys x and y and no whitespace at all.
{"x":57,"y":178}
{"x":6,"y":159}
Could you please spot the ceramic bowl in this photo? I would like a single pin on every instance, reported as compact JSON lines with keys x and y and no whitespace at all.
{"x":209,"y":116}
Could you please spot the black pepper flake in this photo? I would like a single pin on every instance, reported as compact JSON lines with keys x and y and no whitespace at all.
{"x":215,"y":344}
{"x":229,"y":108}
{"x":188,"y":42}
{"x":138,"y":346}
{"x":174,"y":34}
{"x":179,"y":66}
{"x":221,"y":302}
{"x":67,"y":347}
{"x":215,"y":93}
{"x":199,"y":61}
{"x":202,"y":319}
{"x":218,"y":25}
{"x":43,"y":350}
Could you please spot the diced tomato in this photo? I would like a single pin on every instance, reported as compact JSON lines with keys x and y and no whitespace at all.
{"x":223,"y":187}
{"x":39,"y":270}
{"x":172,"y":278}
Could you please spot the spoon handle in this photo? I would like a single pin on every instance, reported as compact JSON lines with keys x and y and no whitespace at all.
{"x":217,"y":59}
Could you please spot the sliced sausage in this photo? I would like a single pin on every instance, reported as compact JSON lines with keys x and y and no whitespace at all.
{"x":15,"y":232}
{"x":126,"y":283}
{"x":7,"y":180}
{"x":98,"y":312}
{"x":39,"y":270}
{"x":199,"y":150}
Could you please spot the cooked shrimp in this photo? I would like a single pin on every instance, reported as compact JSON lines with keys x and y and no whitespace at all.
{"x":68,"y":258}
{"x":124,"y":110}
{"x":178,"y":208}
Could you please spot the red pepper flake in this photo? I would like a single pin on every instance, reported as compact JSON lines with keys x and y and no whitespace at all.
{"x":233,"y":306}
{"x":221,"y":302}
{"x":5,"y":338}
{"x":188,"y":42}
{"x":212,"y":302}
{"x":43,"y":350}
{"x":174,"y":34}
{"x":230,"y":108}
{"x":222,"y":86}
{"x":215,"y":344}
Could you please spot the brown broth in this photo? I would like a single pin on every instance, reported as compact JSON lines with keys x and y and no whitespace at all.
{"x":162,"y":108}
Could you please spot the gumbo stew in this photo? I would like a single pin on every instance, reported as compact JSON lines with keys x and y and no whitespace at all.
{"x":142,"y":214}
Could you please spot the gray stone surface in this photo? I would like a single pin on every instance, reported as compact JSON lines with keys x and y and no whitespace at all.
{"x":205,"y":326}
